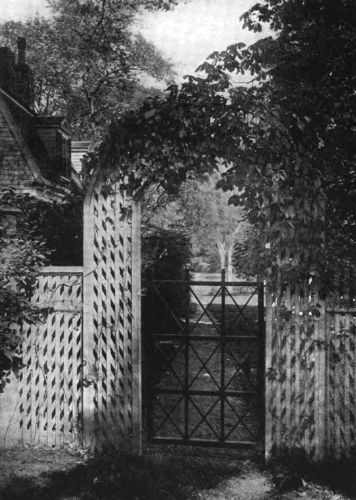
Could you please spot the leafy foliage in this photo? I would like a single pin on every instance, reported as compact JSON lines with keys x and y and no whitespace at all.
{"x":248,"y":257}
{"x":87,"y":62}
{"x":57,"y":224}
{"x":44,"y":233}
{"x":166,"y":252}
{"x":288,"y":141}
{"x":212,"y":225}
{"x":166,"y":255}
{"x":21,"y":254}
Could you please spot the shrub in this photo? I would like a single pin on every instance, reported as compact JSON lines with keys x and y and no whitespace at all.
{"x":166,"y":254}
{"x":20,"y":256}
{"x":59,"y":224}
{"x":45,"y":232}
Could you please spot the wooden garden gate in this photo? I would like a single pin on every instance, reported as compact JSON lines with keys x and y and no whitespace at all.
{"x":206,"y":368}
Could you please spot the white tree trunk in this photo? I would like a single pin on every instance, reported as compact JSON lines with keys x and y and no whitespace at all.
{"x":222,"y":253}
{"x":230,"y":252}
{"x":229,"y":270}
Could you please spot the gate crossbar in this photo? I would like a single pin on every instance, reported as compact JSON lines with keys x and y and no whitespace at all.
{"x":210,"y":353}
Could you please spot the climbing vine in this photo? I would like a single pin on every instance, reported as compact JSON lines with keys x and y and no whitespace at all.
{"x":287,"y":141}
{"x":38,"y":233}
{"x":21,"y":254}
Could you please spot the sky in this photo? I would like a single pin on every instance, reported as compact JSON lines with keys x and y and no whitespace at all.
{"x":185,"y":36}
{"x":22,"y":9}
{"x":195,"y":29}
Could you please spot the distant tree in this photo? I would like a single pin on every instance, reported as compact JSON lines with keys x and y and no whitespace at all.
{"x":88,"y":63}
{"x":214,"y":225}
{"x":203,"y":212}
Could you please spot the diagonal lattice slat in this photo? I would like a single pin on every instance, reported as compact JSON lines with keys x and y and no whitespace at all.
{"x":295,"y":409}
{"x":81,"y":380}
{"x":50,"y":403}
{"x":341,"y":411}
{"x":111,"y":344}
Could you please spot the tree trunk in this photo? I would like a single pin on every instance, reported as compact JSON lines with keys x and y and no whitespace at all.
{"x":229,"y":270}
{"x":230,"y":251}
{"x":222,"y":253}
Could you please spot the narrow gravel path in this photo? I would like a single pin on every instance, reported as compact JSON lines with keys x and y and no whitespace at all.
{"x":252,"y":486}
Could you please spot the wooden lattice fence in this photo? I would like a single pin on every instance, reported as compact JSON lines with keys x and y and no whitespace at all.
{"x":44,"y":405}
{"x":81,"y":380}
{"x":50,"y":384}
{"x":341,"y":381}
{"x":295,"y":363}
{"x":310,"y":375}
{"x":112,"y":345}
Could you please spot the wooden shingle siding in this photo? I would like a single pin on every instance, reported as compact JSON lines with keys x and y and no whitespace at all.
{"x":14,"y":170}
{"x":48,"y":137}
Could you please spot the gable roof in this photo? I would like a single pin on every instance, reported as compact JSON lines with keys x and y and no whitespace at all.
{"x":14,"y":152}
{"x":35,"y":151}
{"x":25,"y":164}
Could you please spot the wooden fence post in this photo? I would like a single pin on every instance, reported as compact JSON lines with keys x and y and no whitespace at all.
{"x":268,"y":382}
{"x":88,"y":327}
{"x":112,"y":320}
{"x":136,"y":330}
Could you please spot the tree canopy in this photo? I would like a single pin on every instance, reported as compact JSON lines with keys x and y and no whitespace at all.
{"x":88,"y":63}
{"x":287,"y":140}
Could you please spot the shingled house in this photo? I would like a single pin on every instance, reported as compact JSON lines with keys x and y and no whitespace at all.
{"x":35,"y":151}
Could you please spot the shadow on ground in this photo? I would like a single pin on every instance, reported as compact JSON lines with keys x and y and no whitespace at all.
{"x":154,"y":476}
{"x":171,"y":473}
{"x":291,"y":470}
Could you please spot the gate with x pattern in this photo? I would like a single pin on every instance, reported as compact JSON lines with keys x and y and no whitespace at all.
{"x":206,"y":363}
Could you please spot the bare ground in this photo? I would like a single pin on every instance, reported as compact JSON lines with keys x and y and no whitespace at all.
{"x":41,"y":474}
